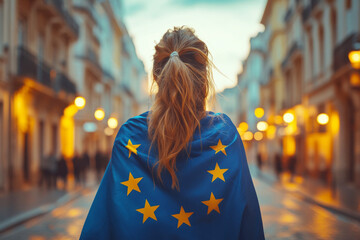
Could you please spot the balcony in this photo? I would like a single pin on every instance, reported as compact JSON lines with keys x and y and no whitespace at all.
{"x":62,"y":82}
{"x":85,"y":6}
{"x":59,"y":6}
{"x":108,"y":75}
{"x":29,"y":66}
{"x":295,"y":47}
{"x":288,"y":15}
{"x":342,"y":50}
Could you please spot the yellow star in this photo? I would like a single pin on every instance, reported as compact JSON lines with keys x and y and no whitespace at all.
{"x":148,"y":211}
{"x":183,"y":217}
{"x":213,"y":203}
{"x":217,"y":173}
{"x":132,"y":184}
{"x":132,"y":148}
{"x":219,"y":147}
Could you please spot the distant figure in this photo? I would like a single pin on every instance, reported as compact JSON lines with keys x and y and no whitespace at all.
{"x":278,"y":165}
{"x":292,"y":166}
{"x":259,"y":161}
{"x":76,"y":160}
{"x":98,"y":164}
{"x":62,"y":170}
{"x":52,"y":169}
{"x":48,"y":171}
{"x":85,"y":160}
{"x":44,"y":173}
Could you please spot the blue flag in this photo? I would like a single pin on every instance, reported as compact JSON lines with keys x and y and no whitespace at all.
{"x":216,"y":199}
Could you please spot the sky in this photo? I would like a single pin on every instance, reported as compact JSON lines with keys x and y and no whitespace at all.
{"x":224,"y":25}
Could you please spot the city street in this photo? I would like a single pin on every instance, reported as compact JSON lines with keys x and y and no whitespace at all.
{"x":284,"y":215}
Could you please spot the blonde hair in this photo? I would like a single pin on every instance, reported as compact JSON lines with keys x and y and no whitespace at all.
{"x":184,"y":81}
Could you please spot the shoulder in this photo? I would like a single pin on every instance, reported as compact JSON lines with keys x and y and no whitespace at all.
{"x":220,"y":120}
{"x":134,"y":126}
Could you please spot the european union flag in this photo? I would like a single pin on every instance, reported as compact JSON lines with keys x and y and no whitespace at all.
{"x":216,"y":200}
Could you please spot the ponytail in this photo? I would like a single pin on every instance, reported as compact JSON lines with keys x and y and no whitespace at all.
{"x":183,"y":82}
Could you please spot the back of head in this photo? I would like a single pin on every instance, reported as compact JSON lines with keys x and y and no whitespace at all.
{"x":182,"y":72}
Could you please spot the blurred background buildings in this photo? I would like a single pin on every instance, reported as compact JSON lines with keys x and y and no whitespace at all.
{"x":69,"y":77}
{"x":299,"y":92}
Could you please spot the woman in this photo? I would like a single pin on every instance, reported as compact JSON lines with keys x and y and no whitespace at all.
{"x":177,"y":172}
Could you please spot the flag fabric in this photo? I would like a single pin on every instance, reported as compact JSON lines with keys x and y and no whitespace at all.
{"x":216,"y":197}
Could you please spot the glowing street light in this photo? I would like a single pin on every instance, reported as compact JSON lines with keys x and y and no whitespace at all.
{"x":258,"y":136}
{"x":354,"y":58}
{"x":288,"y":117}
{"x":248,"y":136}
{"x":80,"y":102}
{"x":99,"y":114}
{"x":243,"y":127}
{"x":322,"y":118}
{"x":259,"y":112}
{"x":262,"y":126}
{"x":278,"y":119}
{"x":112,"y":122}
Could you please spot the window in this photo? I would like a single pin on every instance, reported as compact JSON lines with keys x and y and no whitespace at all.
{"x":40,"y":47}
{"x":348,"y":4}
{"x":333,"y":26}
{"x":54,"y":130}
{"x":1,"y":26}
{"x":311,"y":56}
{"x":321,"y":49}
{"x":22,"y":33}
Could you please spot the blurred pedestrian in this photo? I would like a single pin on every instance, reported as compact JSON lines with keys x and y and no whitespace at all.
{"x":292,"y":166}
{"x":76,"y":161}
{"x":259,"y":161}
{"x":98,"y":164}
{"x":62,"y":170}
{"x":52,"y":169}
{"x":44,"y":173}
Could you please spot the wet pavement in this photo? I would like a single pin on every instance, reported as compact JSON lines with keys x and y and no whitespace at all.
{"x":285,"y":216}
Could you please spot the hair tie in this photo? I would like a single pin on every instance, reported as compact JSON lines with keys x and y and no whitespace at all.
{"x":174,"y":54}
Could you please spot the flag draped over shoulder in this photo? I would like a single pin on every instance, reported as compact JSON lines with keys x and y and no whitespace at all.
{"x":216,"y":199}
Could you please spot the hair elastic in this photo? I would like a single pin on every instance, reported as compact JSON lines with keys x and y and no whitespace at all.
{"x":174,"y":54}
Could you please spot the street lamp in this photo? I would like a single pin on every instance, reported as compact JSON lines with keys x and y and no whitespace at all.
{"x":288,"y":117}
{"x":112,"y":122}
{"x":243,"y":127}
{"x":262,"y":126}
{"x":259,"y":112}
{"x":99,"y":114}
{"x":80,"y":102}
{"x":258,"y":136}
{"x":322,"y":118}
{"x":248,"y":136}
{"x":354,"y":56}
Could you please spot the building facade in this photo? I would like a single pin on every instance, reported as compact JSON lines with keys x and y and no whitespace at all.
{"x":311,"y":91}
{"x":51,"y":52}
